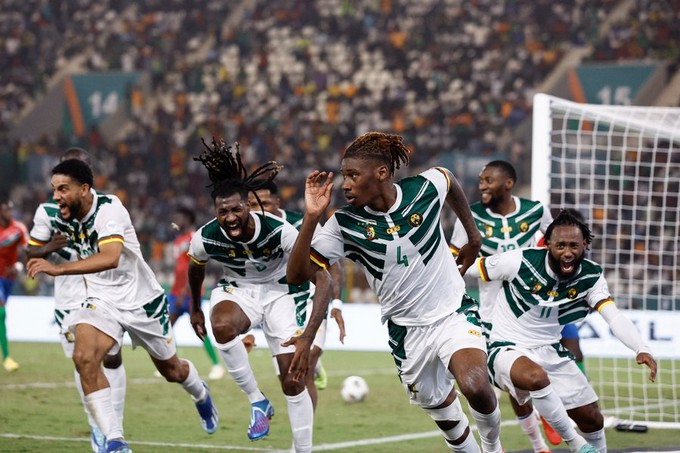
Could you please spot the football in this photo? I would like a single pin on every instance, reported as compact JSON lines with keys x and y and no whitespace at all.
{"x":354,"y":389}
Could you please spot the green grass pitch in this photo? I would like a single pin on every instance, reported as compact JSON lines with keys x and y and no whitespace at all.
{"x":40,"y":410}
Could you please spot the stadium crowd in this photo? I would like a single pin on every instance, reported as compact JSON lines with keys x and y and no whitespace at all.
{"x":295,"y":81}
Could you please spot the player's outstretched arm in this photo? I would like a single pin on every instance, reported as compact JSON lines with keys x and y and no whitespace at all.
{"x":196,"y":274}
{"x":303,"y":343}
{"x":624,"y":330}
{"x":647,"y":359}
{"x":57,"y":242}
{"x":457,"y":200}
{"x":107,"y":258}
{"x":318,"y":189}
{"x":317,"y":198}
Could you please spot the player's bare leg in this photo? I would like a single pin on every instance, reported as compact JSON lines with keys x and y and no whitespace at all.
{"x":469,"y":368}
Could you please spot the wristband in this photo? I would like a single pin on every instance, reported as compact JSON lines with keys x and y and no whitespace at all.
{"x":336,"y":304}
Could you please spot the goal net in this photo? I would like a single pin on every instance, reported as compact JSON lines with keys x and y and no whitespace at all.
{"x":619,"y":166}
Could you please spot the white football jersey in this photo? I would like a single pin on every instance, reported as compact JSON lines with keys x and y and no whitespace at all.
{"x":403,"y":251}
{"x":499,"y":234}
{"x":534,"y":304}
{"x":130,"y":285}
{"x":69,"y":290}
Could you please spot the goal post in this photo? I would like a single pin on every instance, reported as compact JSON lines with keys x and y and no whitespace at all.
{"x":619,"y":166}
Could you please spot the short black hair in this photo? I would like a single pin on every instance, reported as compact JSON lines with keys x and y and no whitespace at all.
{"x":565,"y":217}
{"x":76,"y":169}
{"x":269,"y":185}
{"x":505,"y":167}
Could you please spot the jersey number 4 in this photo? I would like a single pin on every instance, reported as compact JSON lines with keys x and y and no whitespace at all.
{"x":401,"y":259}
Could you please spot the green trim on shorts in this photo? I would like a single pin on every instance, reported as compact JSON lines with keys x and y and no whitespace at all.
{"x":59,"y":316}
{"x":470,"y":307}
{"x":224,"y":283}
{"x":158,"y":309}
{"x":562,"y":351}
{"x":397,"y":336}
{"x":495,"y":348}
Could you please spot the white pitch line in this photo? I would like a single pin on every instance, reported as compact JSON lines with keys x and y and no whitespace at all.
{"x":212,"y":447}
{"x":70,"y":384}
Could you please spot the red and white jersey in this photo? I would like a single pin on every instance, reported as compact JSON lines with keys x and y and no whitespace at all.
{"x":12,"y":238}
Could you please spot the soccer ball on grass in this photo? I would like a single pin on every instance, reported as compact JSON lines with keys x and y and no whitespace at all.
{"x":354,"y":389}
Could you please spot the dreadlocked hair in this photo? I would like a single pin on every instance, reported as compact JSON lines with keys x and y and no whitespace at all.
{"x":227,"y":173}
{"x":566,"y":217}
{"x":386,"y":148}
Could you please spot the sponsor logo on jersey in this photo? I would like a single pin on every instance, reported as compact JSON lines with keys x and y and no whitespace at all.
{"x":506,"y":229}
{"x":474,"y":332}
{"x":524,"y":227}
{"x":553,"y":293}
{"x":393,"y":229}
{"x":415,"y":219}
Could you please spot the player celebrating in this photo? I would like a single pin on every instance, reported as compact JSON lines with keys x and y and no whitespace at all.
{"x":543,"y":289}
{"x":69,"y":293}
{"x":179,"y":299}
{"x":393,"y":231}
{"x":122,"y":296}
{"x":506,"y":222}
{"x":267,"y":199}
{"x":253,"y":249}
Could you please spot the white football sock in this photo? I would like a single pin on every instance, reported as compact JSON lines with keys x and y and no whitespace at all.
{"x":236,"y":357}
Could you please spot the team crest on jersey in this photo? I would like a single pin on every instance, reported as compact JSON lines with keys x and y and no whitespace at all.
{"x":231,"y":253}
{"x":267,"y":252}
{"x":572,"y":293}
{"x":536,"y":288}
{"x":415,"y":219}
{"x":488,"y":231}
{"x":370,"y":233}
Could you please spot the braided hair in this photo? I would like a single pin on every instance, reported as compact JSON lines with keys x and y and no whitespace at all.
{"x":389,"y":149}
{"x":227,"y":173}
{"x":567,"y":217}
